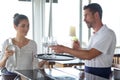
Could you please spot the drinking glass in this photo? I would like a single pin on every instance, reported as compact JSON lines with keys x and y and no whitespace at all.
{"x":45,"y":46}
{"x":52,"y":42}
{"x":11,"y":46}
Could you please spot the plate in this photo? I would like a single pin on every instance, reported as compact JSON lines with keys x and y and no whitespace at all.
{"x":56,"y":57}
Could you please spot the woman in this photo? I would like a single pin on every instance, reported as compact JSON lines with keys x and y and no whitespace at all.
{"x":25,"y":49}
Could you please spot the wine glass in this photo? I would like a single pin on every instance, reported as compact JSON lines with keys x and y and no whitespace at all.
{"x":52,"y":42}
{"x":11,"y":46}
{"x":45,"y":46}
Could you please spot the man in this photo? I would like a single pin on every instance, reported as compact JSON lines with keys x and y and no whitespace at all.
{"x":99,"y":54}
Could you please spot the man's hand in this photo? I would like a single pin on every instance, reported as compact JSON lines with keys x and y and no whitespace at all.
{"x":59,"y":48}
{"x":76,"y":45}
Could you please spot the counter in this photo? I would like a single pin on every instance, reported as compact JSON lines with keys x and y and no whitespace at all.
{"x":66,"y":73}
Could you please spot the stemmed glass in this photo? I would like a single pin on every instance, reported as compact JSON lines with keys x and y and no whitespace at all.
{"x":45,"y":46}
{"x":52,"y":42}
{"x":11,"y":46}
{"x":46,"y":43}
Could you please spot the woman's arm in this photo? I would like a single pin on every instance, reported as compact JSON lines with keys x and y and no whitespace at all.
{"x":6,"y":55}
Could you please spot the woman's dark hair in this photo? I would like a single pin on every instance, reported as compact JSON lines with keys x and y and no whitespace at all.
{"x":94,"y":7}
{"x":18,"y":17}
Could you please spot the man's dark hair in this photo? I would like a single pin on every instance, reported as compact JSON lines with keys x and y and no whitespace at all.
{"x":94,"y":7}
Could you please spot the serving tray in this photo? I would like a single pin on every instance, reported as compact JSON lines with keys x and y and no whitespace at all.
{"x":56,"y":57}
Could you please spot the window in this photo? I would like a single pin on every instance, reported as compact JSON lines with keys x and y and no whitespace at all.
{"x":65,"y":14}
{"x":111,"y":17}
{"x":6,"y":17}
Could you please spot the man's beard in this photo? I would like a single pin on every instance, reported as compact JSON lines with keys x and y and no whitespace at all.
{"x":89,"y":25}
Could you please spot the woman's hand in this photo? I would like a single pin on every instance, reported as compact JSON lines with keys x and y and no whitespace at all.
{"x":8,"y":53}
{"x":42,"y":63}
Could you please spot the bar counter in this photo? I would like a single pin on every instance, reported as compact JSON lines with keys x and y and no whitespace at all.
{"x":67,"y":73}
